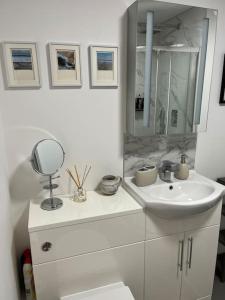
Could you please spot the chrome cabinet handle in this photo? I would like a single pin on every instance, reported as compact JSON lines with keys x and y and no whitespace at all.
{"x":190,"y":241}
{"x":181,"y":255}
{"x":46,"y":246}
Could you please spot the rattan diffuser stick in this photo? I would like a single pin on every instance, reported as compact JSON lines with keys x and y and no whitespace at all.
{"x":85,"y":176}
{"x":79,"y":183}
{"x":72,"y":177}
{"x":78,"y":177}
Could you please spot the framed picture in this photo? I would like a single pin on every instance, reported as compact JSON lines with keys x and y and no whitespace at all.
{"x":222,"y":91}
{"x":21,"y":64}
{"x":104,"y":66}
{"x":65,"y":65}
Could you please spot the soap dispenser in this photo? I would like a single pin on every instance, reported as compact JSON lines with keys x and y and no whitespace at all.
{"x":182,"y":169}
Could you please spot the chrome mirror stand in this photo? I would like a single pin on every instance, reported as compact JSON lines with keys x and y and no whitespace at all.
{"x":46,"y":159}
{"x":52,"y":202}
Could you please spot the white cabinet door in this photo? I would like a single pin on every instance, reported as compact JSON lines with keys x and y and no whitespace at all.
{"x":200,"y":259}
{"x":163,"y":268}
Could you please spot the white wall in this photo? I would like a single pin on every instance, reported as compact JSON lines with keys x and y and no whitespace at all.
{"x":88,"y":122}
{"x":8,"y":274}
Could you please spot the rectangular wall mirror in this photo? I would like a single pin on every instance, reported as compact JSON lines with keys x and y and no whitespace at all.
{"x":170,"y":60}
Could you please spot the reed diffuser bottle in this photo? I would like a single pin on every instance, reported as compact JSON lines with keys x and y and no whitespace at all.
{"x":80,"y":194}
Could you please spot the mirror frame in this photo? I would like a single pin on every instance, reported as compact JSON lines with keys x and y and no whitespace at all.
{"x":131,"y":71}
{"x":212,"y":16}
{"x":32,"y":157}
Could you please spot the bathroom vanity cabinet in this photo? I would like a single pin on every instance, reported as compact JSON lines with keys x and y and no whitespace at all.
{"x":110,"y":239}
{"x":189,"y":259}
{"x":180,"y":256}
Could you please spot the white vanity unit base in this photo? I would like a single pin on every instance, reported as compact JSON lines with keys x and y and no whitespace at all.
{"x":90,"y":244}
{"x":187,"y":283}
{"x":110,"y":239}
{"x":180,"y":256}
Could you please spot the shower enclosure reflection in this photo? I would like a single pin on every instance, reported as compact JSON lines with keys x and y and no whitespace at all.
{"x":168,"y":80}
{"x":173,"y":84}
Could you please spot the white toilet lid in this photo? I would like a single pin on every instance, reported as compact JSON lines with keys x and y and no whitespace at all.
{"x":111,"y":292}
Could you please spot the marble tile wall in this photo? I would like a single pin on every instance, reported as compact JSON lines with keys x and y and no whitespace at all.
{"x":139,"y":151}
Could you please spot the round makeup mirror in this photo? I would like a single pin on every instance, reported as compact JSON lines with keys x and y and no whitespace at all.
{"x":47,"y":158}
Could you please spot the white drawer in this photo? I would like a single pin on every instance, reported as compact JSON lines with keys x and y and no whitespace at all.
{"x":87,"y":237}
{"x":83,"y":272}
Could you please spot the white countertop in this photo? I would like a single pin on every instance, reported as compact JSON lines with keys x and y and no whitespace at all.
{"x":95,"y":208}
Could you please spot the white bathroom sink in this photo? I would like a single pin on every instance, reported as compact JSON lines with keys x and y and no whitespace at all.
{"x":180,"y":191}
{"x":179,"y":198}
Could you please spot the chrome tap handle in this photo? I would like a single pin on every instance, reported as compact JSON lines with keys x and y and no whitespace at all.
{"x":167,"y":175}
{"x":166,"y":168}
{"x":168,"y":165}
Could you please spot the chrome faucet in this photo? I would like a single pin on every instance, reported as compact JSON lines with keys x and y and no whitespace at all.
{"x":166,"y":168}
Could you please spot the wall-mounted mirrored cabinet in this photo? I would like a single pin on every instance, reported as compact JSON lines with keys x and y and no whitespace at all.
{"x":170,"y":60}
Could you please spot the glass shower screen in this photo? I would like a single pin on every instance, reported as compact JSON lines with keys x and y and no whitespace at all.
{"x":173,"y":85}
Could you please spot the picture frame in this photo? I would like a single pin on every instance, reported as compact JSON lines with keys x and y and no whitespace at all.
{"x":21,"y":64}
{"x":104,"y":66}
{"x":65,"y":65}
{"x":222,"y":91}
